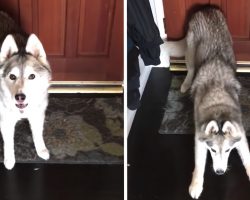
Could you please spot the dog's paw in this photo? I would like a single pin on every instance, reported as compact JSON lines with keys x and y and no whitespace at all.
{"x":195,"y":189}
{"x":9,"y":163}
{"x":44,"y":154}
{"x":248,"y":171}
{"x":184,"y":88}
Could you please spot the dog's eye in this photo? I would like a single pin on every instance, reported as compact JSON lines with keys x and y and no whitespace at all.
{"x":227,"y":150}
{"x":12,"y":77}
{"x":32,"y":76}
{"x":213,"y":150}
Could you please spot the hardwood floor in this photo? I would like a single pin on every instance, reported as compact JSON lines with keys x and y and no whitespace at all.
{"x":59,"y":182}
{"x":160,"y":166}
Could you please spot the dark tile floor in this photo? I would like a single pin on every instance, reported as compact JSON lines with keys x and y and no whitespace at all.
{"x":160,"y":166}
{"x":61,"y":182}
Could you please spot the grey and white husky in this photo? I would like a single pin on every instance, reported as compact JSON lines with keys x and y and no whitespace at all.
{"x":211,"y":67}
{"x":24,"y":81}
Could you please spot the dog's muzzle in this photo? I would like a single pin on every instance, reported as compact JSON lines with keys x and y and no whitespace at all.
{"x":20,"y":98}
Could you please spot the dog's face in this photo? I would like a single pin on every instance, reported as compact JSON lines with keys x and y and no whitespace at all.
{"x":220,"y":143}
{"x":24,"y":77}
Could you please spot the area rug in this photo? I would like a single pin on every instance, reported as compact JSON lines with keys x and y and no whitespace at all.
{"x":178,"y":115}
{"x":79,"y":129}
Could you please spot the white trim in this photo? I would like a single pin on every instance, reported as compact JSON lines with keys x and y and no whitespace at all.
{"x":158,"y":14}
{"x":125,"y":99}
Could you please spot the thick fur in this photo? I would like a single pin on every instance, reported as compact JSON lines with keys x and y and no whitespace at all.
{"x":24,"y":81}
{"x":211,"y":77}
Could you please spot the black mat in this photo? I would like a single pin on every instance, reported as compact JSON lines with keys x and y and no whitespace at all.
{"x":178,"y":116}
{"x":78,"y":129}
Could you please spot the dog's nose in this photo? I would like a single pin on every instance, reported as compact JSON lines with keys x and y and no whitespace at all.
{"x":20,"y":97}
{"x":219,"y":171}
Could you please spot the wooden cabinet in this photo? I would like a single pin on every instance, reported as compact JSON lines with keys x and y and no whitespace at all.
{"x":236,"y":12}
{"x":82,"y":38}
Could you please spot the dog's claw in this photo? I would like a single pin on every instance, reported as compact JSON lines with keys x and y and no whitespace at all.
{"x":44,"y":154}
{"x":9,"y":163}
{"x":195,"y":190}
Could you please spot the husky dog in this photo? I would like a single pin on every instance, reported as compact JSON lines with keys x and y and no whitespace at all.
{"x":211,"y":67}
{"x":24,"y":81}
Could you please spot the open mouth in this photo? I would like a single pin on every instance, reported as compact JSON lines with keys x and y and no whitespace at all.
{"x":21,"y":105}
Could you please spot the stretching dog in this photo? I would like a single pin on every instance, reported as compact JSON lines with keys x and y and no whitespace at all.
{"x":211,"y":67}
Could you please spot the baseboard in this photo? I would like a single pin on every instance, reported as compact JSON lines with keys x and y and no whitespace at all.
{"x":97,"y":87}
{"x":180,"y":66}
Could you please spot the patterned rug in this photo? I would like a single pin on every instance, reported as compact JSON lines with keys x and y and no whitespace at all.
{"x":178,"y":116}
{"x":79,"y":128}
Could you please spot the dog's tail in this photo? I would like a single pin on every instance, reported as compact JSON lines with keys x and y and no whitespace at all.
{"x":176,"y":48}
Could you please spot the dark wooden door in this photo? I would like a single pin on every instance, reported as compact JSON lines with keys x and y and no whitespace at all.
{"x":236,"y":12}
{"x":82,"y":38}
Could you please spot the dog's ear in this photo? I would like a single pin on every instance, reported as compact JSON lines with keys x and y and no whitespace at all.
{"x":229,"y":128}
{"x":8,"y":48}
{"x":35,"y":47}
{"x":235,"y":139}
{"x":212,"y":127}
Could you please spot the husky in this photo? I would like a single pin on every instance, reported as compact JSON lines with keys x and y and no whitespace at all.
{"x":24,"y":81}
{"x":211,"y":76}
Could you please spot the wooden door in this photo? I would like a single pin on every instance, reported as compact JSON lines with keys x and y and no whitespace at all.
{"x":82,"y":38}
{"x":236,"y":12}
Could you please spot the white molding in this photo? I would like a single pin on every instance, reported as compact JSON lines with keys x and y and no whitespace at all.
{"x":158,"y":14}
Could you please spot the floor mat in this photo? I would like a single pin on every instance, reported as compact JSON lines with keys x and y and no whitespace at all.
{"x":78,"y":129}
{"x":178,"y":116}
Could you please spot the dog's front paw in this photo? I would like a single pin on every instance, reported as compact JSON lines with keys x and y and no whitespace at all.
{"x":9,"y":163}
{"x":44,"y":154}
{"x":195,"y":189}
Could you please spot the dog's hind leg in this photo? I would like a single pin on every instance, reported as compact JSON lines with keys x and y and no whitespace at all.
{"x":36,"y":124}
{"x":190,"y":55}
{"x":244,"y":153}
{"x":196,"y":185}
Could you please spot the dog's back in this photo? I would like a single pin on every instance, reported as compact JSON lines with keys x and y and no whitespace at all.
{"x":215,"y":82}
{"x":9,"y":26}
{"x":211,"y":37}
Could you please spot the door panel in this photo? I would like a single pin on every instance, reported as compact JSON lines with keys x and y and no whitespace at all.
{"x":175,"y":13}
{"x":98,"y":28}
{"x":237,"y":14}
{"x":51,"y":25}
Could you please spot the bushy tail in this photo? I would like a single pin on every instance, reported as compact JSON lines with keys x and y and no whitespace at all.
{"x":176,"y":48}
